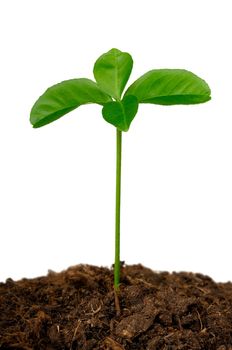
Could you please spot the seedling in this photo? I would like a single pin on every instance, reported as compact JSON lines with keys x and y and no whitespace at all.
{"x":112,"y":71}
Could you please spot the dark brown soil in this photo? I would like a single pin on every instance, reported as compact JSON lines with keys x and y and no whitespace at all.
{"x":75,"y":310}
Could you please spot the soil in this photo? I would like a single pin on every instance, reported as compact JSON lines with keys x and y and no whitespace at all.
{"x":75,"y":310}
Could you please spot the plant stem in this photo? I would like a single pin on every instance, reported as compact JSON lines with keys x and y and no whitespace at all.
{"x":117,"y":211}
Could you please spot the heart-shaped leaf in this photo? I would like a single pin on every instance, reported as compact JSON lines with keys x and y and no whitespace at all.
{"x":170,"y":87}
{"x":121,"y":114}
{"x":62,"y":98}
{"x":112,"y":71}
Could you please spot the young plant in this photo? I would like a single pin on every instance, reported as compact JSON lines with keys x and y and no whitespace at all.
{"x":112,"y":71}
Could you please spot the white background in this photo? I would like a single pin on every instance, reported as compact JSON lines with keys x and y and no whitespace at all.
{"x":57,"y":183}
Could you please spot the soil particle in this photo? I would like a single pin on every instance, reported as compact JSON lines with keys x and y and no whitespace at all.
{"x":75,"y":310}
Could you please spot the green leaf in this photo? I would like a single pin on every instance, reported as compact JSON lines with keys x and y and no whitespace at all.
{"x":62,"y":98}
{"x":112,"y":71}
{"x":121,"y":114}
{"x":170,"y":87}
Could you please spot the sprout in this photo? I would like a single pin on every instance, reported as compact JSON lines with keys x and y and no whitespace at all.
{"x":112,"y":71}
